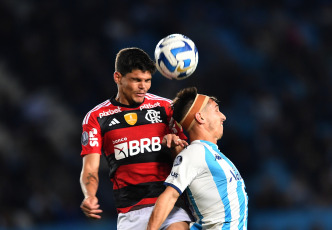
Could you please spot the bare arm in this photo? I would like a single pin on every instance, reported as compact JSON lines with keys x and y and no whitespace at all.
{"x":163,"y":207}
{"x":89,"y":181}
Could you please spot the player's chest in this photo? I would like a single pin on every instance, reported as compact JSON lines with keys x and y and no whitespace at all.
{"x":135,"y":119}
{"x":222,"y":169}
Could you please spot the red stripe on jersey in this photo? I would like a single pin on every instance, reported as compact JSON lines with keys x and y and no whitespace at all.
{"x":133,"y":174}
{"x":101,"y":105}
{"x":142,"y":202}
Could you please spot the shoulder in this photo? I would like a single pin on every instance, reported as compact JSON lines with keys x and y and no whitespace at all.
{"x":99,"y":109}
{"x":153,"y":97}
{"x":152,"y":101}
{"x":192,"y":156}
{"x":193,"y":149}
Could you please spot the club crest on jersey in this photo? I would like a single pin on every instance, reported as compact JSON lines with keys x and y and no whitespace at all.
{"x":131,"y":118}
{"x":153,"y":116}
{"x":178,"y":160}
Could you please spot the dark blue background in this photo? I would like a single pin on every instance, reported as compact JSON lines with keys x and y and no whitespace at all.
{"x":268,"y":62}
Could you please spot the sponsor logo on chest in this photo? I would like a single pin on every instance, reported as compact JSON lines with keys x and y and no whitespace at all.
{"x":110,"y":112}
{"x":149,"y":106}
{"x":235,"y":174}
{"x":134,"y":147}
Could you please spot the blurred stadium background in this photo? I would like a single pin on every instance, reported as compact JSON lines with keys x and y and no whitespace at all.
{"x":269,"y":62}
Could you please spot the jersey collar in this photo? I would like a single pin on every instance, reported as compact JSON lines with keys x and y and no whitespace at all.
{"x":116,"y":103}
{"x":206,"y":142}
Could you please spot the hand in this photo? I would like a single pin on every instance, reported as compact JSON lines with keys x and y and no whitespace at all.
{"x":172,"y":140}
{"x":90,"y":207}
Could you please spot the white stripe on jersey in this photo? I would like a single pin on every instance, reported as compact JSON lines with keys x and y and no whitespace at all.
{"x":215,"y":187}
{"x":87,"y":116}
{"x":245,"y":212}
{"x":233,"y":197}
{"x":155,"y":97}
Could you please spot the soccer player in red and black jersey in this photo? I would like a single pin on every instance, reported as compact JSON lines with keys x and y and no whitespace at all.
{"x":137,"y":134}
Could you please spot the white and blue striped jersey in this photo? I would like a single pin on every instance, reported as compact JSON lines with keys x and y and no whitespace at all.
{"x":215,"y":188}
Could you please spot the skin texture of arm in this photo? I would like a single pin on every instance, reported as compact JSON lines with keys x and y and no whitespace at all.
{"x":89,"y":183}
{"x":163,"y":207}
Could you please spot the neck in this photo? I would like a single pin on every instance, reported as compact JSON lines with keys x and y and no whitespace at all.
{"x":117,"y":98}
{"x":122,"y":100}
{"x":201,"y":134}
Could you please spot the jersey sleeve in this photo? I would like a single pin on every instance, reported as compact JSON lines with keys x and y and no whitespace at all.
{"x":185,"y":168}
{"x":91,"y":139}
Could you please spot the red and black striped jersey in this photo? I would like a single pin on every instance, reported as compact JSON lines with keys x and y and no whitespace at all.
{"x":130,"y":138}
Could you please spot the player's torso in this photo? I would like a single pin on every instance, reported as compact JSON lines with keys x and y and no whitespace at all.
{"x":132,"y":131}
{"x":132,"y":143}
{"x":218,"y":192}
{"x":133,"y":134}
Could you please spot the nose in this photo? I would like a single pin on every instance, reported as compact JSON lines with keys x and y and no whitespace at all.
{"x":223,"y":117}
{"x":142,"y":85}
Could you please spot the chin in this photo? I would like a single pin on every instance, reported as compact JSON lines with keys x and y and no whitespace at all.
{"x":139,"y":101}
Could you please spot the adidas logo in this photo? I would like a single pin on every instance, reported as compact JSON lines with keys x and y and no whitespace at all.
{"x":114,"y":122}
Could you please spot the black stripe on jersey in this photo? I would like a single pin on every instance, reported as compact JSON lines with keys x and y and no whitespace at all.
{"x":132,"y":194}
{"x":164,"y":156}
{"x":144,"y":116}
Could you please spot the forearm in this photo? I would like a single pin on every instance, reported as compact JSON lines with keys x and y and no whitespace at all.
{"x":89,"y":183}
{"x":89,"y":179}
{"x":163,"y":207}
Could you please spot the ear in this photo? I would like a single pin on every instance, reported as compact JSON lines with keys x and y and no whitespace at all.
{"x":117,"y":77}
{"x":199,"y":118}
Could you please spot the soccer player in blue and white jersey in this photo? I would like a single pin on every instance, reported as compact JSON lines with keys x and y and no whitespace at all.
{"x":215,"y":188}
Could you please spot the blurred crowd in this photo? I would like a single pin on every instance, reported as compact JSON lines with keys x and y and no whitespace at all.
{"x":268,"y":62}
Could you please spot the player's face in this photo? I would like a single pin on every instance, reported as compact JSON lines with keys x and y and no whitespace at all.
{"x":133,"y":86}
{"x":215,"y":119}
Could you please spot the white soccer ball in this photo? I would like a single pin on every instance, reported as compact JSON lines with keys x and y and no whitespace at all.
{"x":176,"y":56}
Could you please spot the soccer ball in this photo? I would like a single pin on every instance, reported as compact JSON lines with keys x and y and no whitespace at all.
{"x":176,"y":56}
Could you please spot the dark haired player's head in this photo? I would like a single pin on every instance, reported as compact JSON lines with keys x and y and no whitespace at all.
{"x":129,"y":59}
{"x":182,"y":102}
{"x":199,"y":115}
